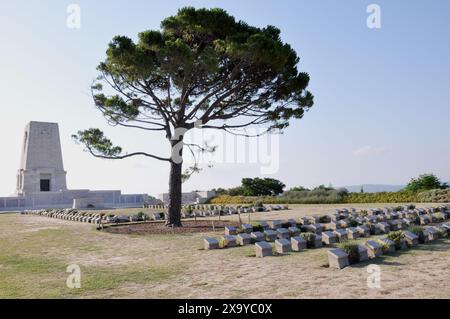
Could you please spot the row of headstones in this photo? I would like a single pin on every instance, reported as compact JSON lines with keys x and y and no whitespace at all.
{"x":338,"y":258}
{"x":274,"y":231}
{"x":381,"y":223}
{"x":342,"y":219}
{"x":389,"y":211}
{"x":86,"y":217}
{"x":74,"y":215}
{"x":221,"y":208}
{"x":68,"y":214}
{"x":364,"y":226}
{"x":218,"y":211}
{"x":315,"y":238}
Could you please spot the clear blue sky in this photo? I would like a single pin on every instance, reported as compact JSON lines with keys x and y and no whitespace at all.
{"x":382,"y":105}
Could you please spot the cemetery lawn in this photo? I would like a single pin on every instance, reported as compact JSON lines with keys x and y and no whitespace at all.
{"x":35,"y":252}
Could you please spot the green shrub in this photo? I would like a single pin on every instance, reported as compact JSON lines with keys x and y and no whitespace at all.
{"x":316,"y":196}
{"x":258,"y":204}
{"x":416,"y":230}
{"x":442,"y":233}
{"x":396,"y":237}
{"x":309,"y":238}
{"x":425,"y":182}
{"x":353,"y":223}
{"x":439,"y":216}
{"x":419,"y":231}
{"x":352,"y":250}
{"x":337,"y":196}
{"x":285,"y":225}
{"x":227,"y":199}
{"x":384,"y":246}
{"x":324,"y":219}
{"x":382,"y":197}
{"x":258,"y":228}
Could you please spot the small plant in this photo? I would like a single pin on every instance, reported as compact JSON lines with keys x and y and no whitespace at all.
{"x":258,"y":204}
{"x":419,"y":231}
{"x":341,"y":240}
{"x":447,"y":231}
{"x":352,"y":250}
{"x":396,"y":237}
{"x":309,"y":238}
{"x":368,"y":225}
{"x":258,"y":228}
{"x":304,"y":229}
{"x":442,"y":233}
{"x":140,"y":215}
{"x":353,"y":223}
{"x":384,"y":246}
{"x":223,"y":242}
{"x":324,"y":219}
{"x":364,"y":213}
{"x":439,"y":216}
{"x":416,"y":230}
{"x":285,"y":225}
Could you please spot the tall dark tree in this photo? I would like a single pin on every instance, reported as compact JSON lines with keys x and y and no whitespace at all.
{"x":202,"y":69}
{"x":425,"y":182}
{"x":262,"y":186}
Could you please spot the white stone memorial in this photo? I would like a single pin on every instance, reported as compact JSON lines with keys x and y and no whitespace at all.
{"x":41,"y":178}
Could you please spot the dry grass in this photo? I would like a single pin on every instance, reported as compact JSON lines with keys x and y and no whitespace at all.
{"x":35,"y":252}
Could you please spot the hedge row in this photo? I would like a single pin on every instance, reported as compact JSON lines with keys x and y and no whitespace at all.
{"x":235,"y":200}
{"x":434,"y":196}
{"x":383,"y":197}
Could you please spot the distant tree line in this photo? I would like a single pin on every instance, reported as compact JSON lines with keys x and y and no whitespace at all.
{"x":425,"y":188}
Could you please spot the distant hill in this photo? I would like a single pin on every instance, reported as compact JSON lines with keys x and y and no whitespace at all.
{"x":374,"y":188}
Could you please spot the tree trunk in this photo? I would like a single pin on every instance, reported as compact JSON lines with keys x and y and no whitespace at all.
{"x":174,"y":218}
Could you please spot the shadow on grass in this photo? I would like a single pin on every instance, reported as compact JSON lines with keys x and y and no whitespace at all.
{"x":439,"y":245}
{"x":383,"y":260}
